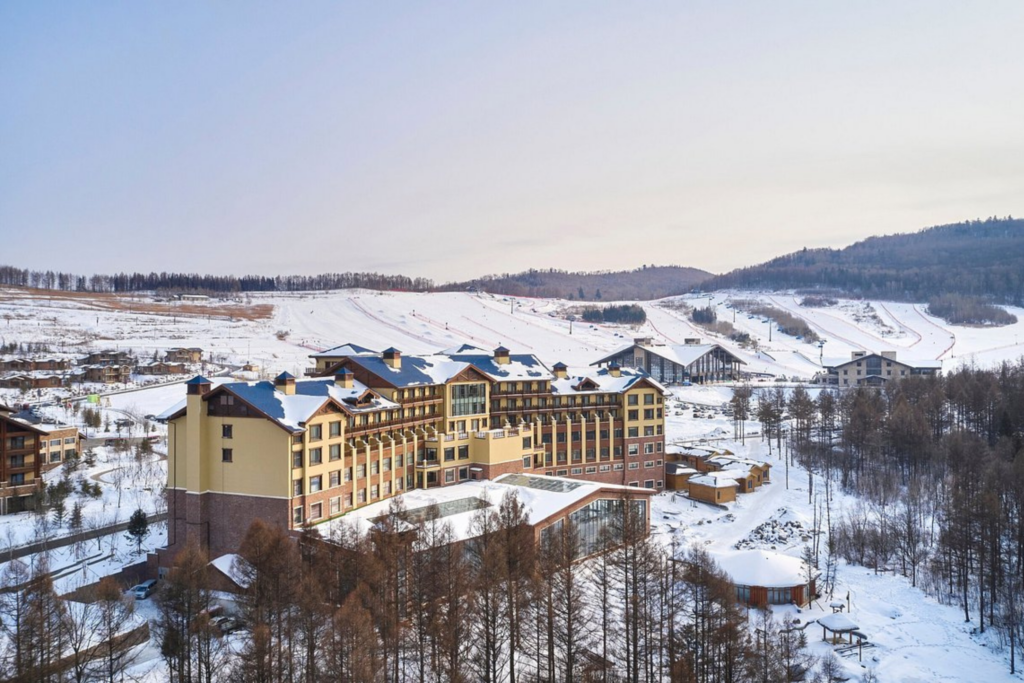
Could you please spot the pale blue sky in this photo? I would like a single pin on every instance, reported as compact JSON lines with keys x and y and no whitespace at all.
{"x":458,"y":139}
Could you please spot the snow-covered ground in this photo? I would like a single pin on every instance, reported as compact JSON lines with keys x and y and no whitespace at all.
{"x":916,"y":638}
{"x":301,"y":323}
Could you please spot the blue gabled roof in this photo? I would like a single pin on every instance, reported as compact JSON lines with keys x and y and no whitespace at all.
{"x":519,"y":366}
{"x":414,"y":370}
{"x":285,"y":375}
{"x":198,"y":379}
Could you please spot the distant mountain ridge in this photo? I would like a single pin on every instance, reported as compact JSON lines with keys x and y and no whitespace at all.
{"x":641,"y":284}
{"x":983,"y":258}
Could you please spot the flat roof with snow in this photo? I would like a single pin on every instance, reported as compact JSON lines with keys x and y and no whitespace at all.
{"x":762,"y":568}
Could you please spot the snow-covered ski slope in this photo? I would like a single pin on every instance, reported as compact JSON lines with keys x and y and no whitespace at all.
{"x":305,"y":322}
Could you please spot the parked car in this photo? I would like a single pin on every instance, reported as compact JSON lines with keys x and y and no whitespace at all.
{"x":144,"y":589}
{"x":226,"y":624}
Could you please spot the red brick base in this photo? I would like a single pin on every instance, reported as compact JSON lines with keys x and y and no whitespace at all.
{"x":218,"y":520}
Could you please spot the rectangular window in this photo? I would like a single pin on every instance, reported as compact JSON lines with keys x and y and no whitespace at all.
{"x":648,"y":399}
{"x":316,"y":483}
{"x":648,"y":448}
{"x":634,"y":465}
{"x":577,"y":470}
{"x":449,"y":454}
{"x":661,"y":484}
{"x":297,"y":516}
{"x":591,"y":470}
{"x":226,"y":431}
{"x":659,"y":446}
{"x":316,"y":432}
{"x":527,"y":442}
{"x":387,"y":488}
{"x":335,"y":478}
{"x":634,"y":432}
{"x":449,"y":475}
{"x":606,"y":468}
{"x":226,"y":455}
{"x":387,"y":464}
{"x":335,"y":451}
{"x":374,"y":492}
{"x":632,"y":399}
{"x":348,"y":474}
{"x":469,"y":399}
{"x":360,"y":471}
{"x":648,"y":413}
{"x":649,"y":484}
{"x":633,"y":415}
{"x":634,"y":449}
{"x":316,"y":511}
{"x":648,"y":464}
{"x":315,"y":456}
{"x":335,"y":505}
{"x":361,"y":496}
{"x":463,"y":452}
{"x":297,"y":487}
{"x":526,"y":462}
{"x":617,"y":467}
{"x":297,"y":459}
{"x":463,"y":473}
{"x":374,"y":467}
{"x":335,"y":429}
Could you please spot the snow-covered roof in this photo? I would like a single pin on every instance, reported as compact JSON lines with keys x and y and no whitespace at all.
{"x":838,"y":623}
{"x":681,"y":354}
{"x":171,"y":411}
{"x":762,"y":568}
{"x":291,"y":411}
{"x":717,"y":480}
{"x":542,"y":496}
{"x":225,"y":564}
{"x":520,"y":366}
{"x":603,"y":381}
{"x":347,"y":349}
{"x":924,"y":363}
{"x":727,"y":460}
{"x":678,"y":468}
{"x":413,"y":370}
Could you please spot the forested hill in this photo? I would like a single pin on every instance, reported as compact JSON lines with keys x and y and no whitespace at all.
{"x":648,"y":282}
{"x":976,"y":258}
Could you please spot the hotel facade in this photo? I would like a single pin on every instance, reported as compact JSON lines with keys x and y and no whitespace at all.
{"x":366,"y":425}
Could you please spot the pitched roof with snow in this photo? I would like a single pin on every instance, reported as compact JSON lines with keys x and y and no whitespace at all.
{"x":520,"y":366}
{"x":414,"y":370}
{"x":681,"y":354}
{"x":292,"y":411}
{"x":602,"y":381}
{"x":348,"y":349}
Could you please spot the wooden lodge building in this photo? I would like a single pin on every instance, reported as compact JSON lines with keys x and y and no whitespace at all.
{"x":679,"y":363}
{"x":27,"y":449}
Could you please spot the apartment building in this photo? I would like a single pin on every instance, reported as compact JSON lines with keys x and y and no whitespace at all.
{"x":371,"y":425}
{"x":875,"y":369}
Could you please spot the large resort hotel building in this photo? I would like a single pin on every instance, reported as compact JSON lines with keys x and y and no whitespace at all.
{"x":677,"y":363}
{"x":366,"y":426}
